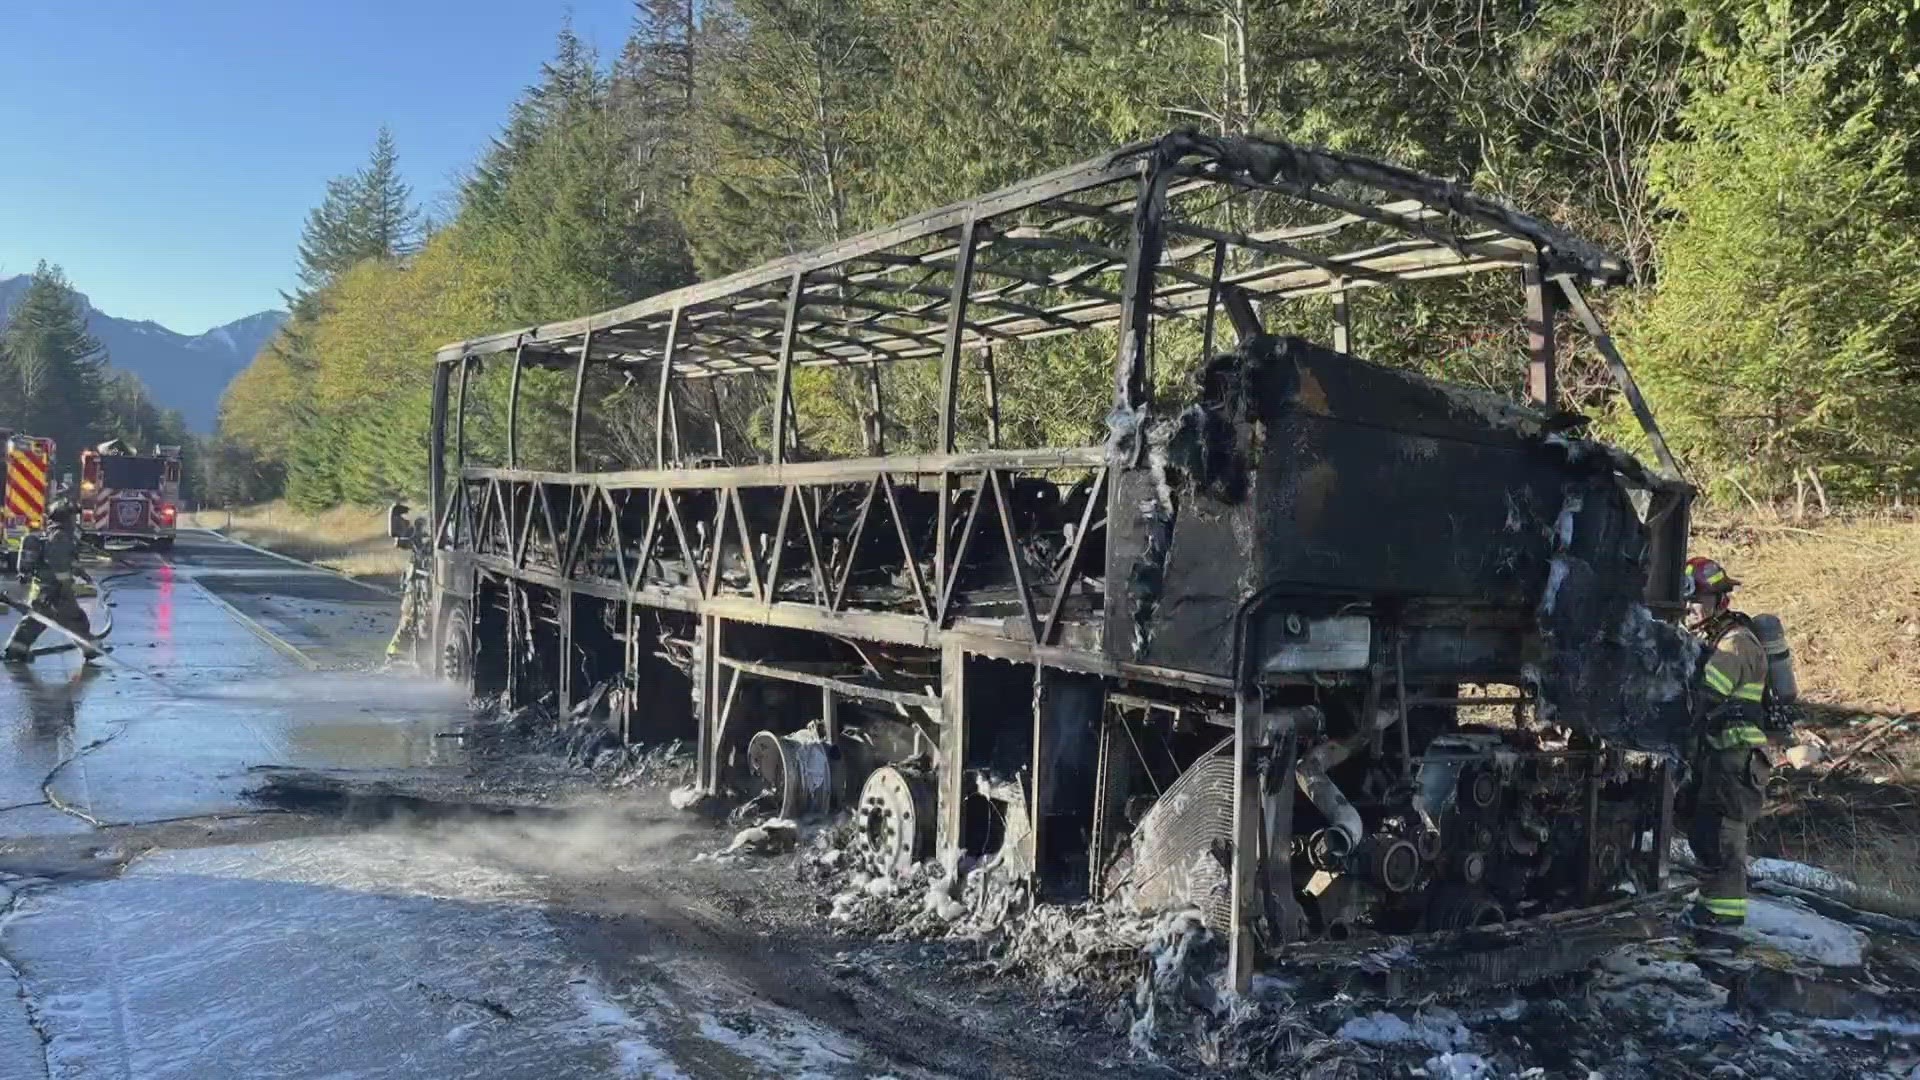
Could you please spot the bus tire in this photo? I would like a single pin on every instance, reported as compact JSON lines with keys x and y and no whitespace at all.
{"x":453,"y":658}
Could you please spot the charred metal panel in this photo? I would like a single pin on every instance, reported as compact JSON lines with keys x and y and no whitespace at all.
{"x":1305,"y":469}
{"x":1333,"y":483}
{"x":1067,"y":715}
{"x":1607,"y":666}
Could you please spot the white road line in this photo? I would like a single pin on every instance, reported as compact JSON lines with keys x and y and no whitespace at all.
{"x":259,"y":631}
{"x":381,"y":589}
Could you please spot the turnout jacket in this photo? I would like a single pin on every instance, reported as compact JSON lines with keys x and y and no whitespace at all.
{"x":1732,"y":687}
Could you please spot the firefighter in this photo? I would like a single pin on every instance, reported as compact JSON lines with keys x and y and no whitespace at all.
{"x":413,"y":595}
{"x":49,"y":563}
{"x":1730,"y":767}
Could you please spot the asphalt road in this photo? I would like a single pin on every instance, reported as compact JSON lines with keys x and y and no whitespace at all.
{"x":155,"y":923}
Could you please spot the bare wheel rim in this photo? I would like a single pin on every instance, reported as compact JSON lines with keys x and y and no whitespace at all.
{"x":455,"y":648}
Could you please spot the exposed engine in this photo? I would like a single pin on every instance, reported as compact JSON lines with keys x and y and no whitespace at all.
{"x":1461,"y":825}
{"x":1481,"y":826}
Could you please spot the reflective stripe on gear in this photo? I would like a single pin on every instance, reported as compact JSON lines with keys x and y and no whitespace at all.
{"x":1718,"y":681}
{"x":1749,"y":691}
{"x":1737,"y":735}
{"x":1725,"y":907}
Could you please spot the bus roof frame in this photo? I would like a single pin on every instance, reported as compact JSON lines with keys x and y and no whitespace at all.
{"x":749,"y":323}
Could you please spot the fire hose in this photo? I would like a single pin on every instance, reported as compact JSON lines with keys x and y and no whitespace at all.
{"x":89,"y":645}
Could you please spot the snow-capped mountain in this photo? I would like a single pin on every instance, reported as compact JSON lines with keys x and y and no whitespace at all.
{"x":181,"y":371}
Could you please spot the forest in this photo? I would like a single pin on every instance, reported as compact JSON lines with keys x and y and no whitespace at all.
{"x":55,"y":381}
{"x":1751,"y":159}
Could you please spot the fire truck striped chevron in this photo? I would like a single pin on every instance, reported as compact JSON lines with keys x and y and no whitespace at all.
{"x":27,"y":470}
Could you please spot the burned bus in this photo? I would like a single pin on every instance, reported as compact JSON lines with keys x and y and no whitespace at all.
{"x":1236,"y":648}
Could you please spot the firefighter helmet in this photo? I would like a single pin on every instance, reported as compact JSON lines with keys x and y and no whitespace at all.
{"x":61,"y":512}
{"x":1706,"y":577}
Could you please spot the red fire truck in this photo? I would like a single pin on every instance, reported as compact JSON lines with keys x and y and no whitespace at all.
{"x":129,"y":496}
{"x":25,"y":479}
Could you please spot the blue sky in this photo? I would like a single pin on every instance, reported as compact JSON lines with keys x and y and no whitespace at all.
{"x":166,"y":152}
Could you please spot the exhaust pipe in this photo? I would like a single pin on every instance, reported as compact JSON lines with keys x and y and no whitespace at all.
{"x":1325,"y":795}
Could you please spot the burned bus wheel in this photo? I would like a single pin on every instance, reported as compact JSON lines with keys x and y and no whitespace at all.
{"x":796,"y":770}
{"x":895,"y":818}
{"x":456,"y":647}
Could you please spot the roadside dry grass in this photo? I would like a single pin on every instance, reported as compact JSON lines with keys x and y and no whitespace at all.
{"x":1848,"y":591}
{"x":350,"y":539}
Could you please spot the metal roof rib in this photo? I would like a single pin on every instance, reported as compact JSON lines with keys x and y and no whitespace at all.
{"x":1035,"y":277}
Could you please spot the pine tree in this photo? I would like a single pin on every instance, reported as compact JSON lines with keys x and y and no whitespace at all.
{"x":788,"y":129}
{"x":389,"y":222}
{"x":315,"y":462}
{"x":1784,"y":330}
{"x":10,"y":396}
{"x":655,"y":91}
{"x":553,"y":209}
{"x":567,"y":81}
{"x":328,"y":243}
{"x":367,"y":214}
{"x":55,"y":367}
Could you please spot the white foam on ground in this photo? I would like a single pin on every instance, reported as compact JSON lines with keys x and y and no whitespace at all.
{"x":1801,"y":876}
{"x":379,"y":956}
{"x":1871,"y":1029}
{"x":1459,"y":1067}
{"x":1806,"y":934}
{"x":633,"y":1046}
{"x":1673,"y":994}
{"x":787,"y":1047}
{"x":1439,"y":1030}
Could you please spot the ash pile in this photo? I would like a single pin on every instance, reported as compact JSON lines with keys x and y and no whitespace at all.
{"x":1807,"y":989}
{"x":582,"y":740}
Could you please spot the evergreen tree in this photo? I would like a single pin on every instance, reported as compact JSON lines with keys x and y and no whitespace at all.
{"x":327,"y":242}
{"x":315,"y":461}
{"x":10,"y":396}
{"x":788,"y":130}
{"x":389,"y":222}
{"x":1784,"y":334}
{"x":225,"y":473}
{"x":556,"y":211}
{"x":55,"y":368}
{"x":129,"y":414}
{"x":368,"y":214}
{"x":655,"y":90}
{"x":568,"y":80}
{"x":1709,"y":141}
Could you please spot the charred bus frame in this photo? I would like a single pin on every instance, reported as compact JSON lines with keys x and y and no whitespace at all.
{"x":556,"y":581}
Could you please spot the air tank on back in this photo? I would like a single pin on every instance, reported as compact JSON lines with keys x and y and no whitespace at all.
{"x":1780,"y":677}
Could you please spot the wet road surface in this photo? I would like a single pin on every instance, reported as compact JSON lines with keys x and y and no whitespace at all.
{"x":193,"y":695}
{"x":153,"y":923}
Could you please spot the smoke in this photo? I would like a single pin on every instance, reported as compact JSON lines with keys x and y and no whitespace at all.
{"x":485,"y":824}
{"x":591,"y":840}
{"x":333,"y":691}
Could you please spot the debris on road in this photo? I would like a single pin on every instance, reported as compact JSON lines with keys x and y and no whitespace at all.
{"x":770,"y":837}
